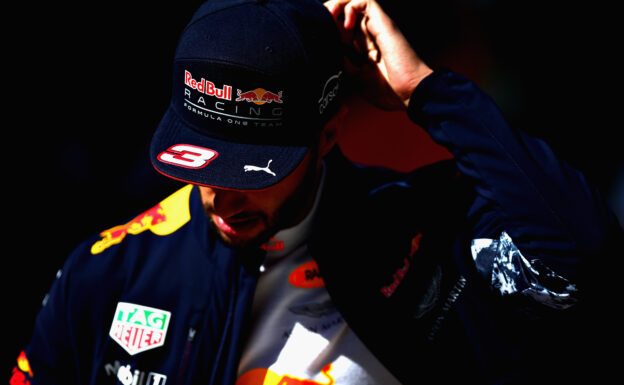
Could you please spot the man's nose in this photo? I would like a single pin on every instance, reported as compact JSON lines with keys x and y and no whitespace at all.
{"x":226,"y":203}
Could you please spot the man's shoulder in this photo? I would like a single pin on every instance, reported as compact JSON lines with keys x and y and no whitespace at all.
{"x":165,"y":218}
{"x":163,"y":241}
{"x":172,"y":225}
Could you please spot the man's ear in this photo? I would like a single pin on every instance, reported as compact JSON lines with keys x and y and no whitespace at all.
{"x":331,"y":130}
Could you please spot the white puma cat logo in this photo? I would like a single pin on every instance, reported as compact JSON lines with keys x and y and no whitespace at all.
{"x":256,"y":168}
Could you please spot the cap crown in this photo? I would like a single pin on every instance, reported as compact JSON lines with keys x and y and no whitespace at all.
{"x":268,"y":68}
{"x":254,"y":82}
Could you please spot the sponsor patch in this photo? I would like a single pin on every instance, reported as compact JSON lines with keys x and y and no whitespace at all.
{"x":138,"y":328}
{"x":128,"y":376}
{"x":273,"y":245}
{"x":202,"y":101}
{"x":258,"y":168}
{"x":306,"y":276}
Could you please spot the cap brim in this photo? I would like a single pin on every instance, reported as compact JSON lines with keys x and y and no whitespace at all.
{"x":181,"y":153}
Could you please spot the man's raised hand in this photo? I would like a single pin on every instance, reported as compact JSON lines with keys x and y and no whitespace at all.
{"x":385,"y":64}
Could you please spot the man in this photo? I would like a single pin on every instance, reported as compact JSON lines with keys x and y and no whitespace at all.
{"x":281,"y":262}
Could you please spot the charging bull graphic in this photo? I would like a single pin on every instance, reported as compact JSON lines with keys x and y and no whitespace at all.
{"x":249,"y":96}
{"x":259,"y":96}
{"x":271,"y":97}
{"x":162,"y":219}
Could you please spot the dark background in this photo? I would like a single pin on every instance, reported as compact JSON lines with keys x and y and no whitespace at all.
{"x":88,"y":83}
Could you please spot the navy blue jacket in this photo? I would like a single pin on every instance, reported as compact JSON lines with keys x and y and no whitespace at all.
{"x":395,"y":250}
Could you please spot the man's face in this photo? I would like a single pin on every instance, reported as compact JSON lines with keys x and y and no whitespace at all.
{"x":250,"y":218}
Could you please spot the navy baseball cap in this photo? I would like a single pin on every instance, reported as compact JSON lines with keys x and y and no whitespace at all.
{"x":254,"y":82}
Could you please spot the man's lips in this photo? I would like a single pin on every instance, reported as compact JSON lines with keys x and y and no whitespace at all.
{"x":233,"y":226}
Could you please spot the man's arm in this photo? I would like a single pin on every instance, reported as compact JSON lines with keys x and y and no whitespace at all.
{"x":524,"y":191}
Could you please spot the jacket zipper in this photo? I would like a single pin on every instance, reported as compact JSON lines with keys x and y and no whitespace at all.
{"x":187,"y":351}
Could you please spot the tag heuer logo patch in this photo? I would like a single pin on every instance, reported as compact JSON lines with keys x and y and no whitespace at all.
{"x":139,"y":328}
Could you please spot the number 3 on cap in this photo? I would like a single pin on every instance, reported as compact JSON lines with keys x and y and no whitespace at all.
{"x":188,"y":156}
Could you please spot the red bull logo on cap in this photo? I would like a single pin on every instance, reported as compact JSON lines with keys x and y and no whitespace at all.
{"x":207,"y":87}
{"x":259,"y":96}
{"x":138,"y":328}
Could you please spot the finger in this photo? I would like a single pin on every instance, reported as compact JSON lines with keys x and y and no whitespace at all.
{"x":370,"y":45}
{"x":335,"y":7}
{"x":352,"y":11}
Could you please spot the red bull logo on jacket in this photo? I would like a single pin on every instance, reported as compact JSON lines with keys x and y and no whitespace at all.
{"x":138,"y":328}
{"x":162,"y":219}
{"x":152,"y":217}
{"x":401,"y":272}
